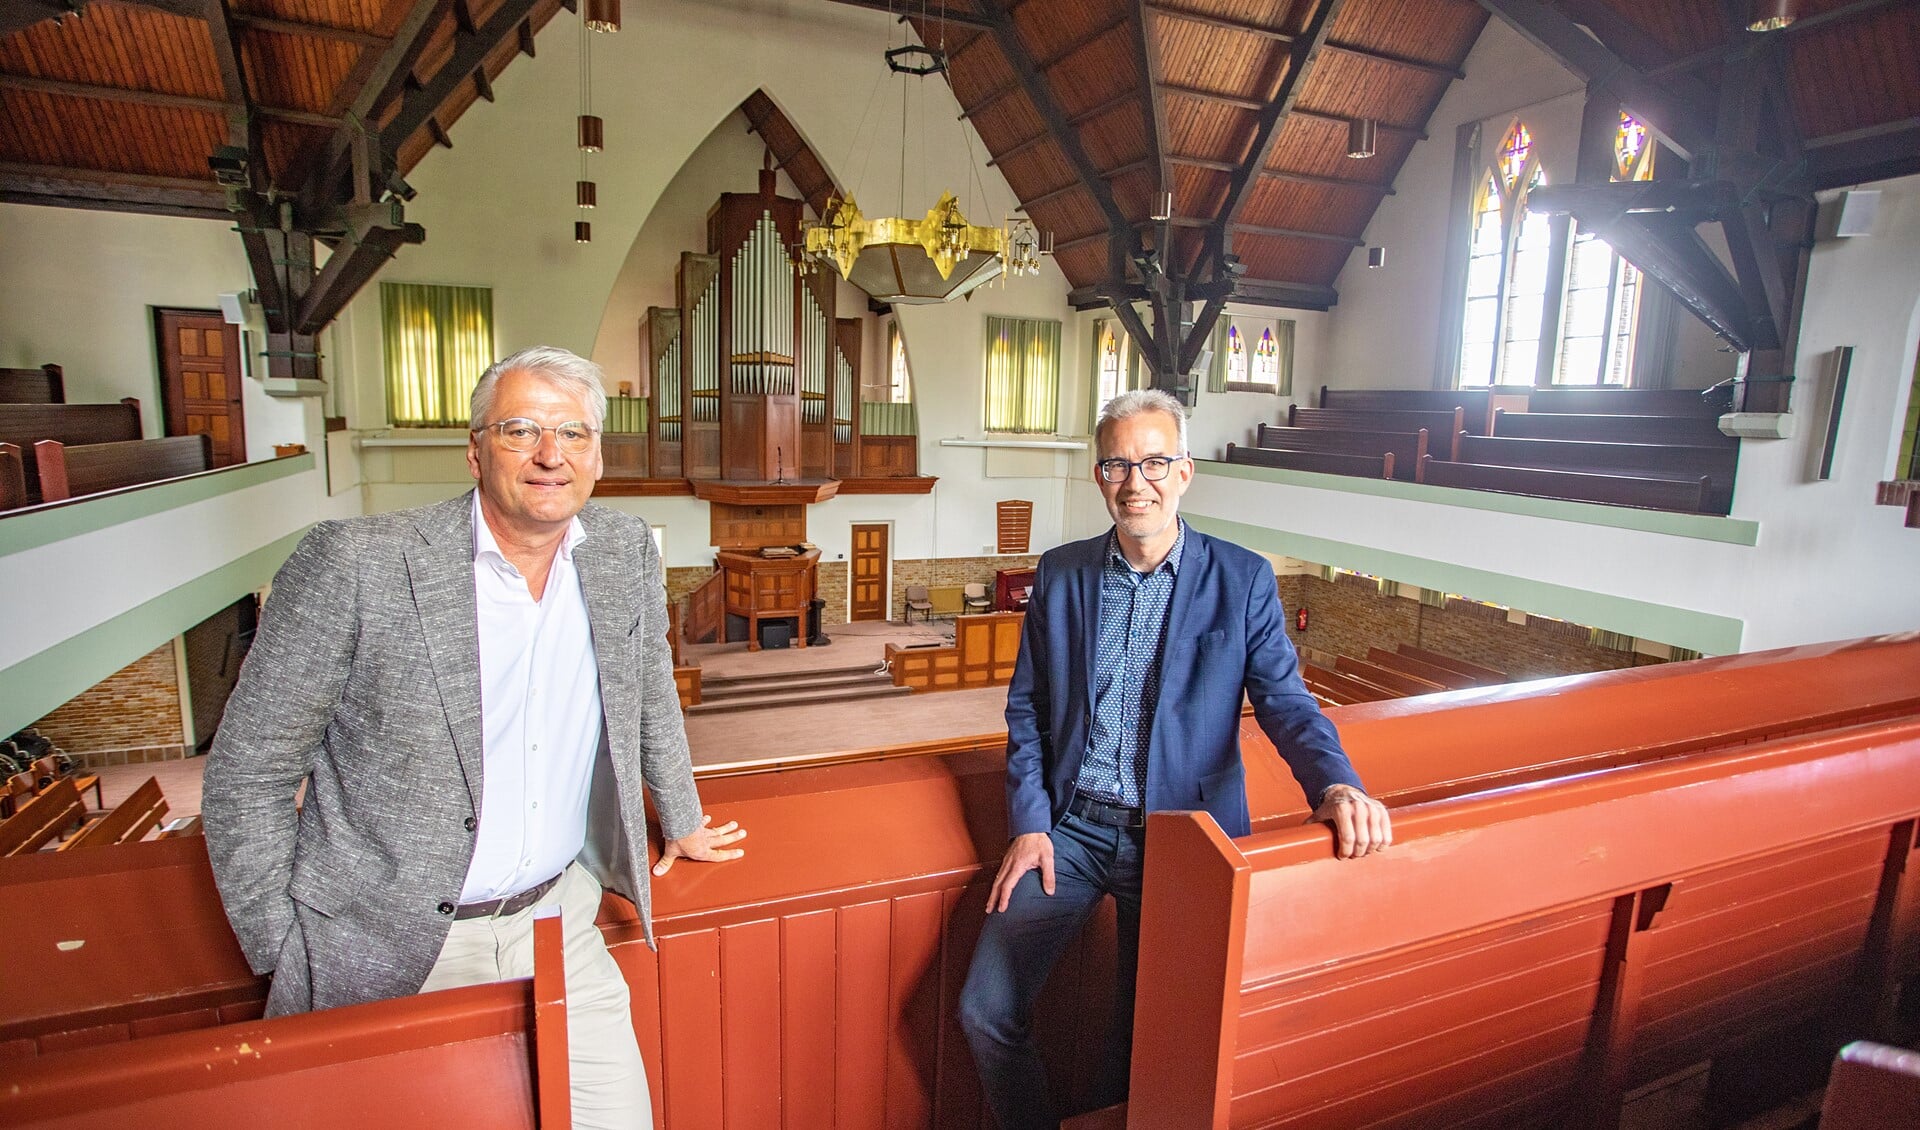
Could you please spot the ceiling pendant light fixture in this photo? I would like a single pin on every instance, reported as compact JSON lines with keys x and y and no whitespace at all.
{"x":590,"y":131}
{"x":920,"y":260}
{"x":1363,"y":135}
{"x":603,"y":16}
{"x":1770,"y":15}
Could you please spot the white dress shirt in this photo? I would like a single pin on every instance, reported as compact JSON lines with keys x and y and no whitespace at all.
{"x":540,"y":717}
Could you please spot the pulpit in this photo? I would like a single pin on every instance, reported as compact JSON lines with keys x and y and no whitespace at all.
{"x":769,"y":588}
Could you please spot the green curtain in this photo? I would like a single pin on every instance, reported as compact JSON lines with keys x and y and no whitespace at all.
{"x":1023,"y":375}
{"x":879,"y":418}
{"x":1217,"y":371}
{"x":1283,"y":331}
{"x":626,"y":414}
{"x":438,"y":340}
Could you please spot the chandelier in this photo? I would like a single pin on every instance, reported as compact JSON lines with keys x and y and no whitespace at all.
{"x":926,"y":260}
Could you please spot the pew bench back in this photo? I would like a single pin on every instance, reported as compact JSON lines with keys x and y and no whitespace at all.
{"x":1633,"y":401}
{"x":1685,"y":495}
{"x":1322,"y":462}
{"x":1688,"y":431}
{"x":70,"y":472}
{"x":1407,"y":448}
{"x":45,"y":385}
{"x":24,"y":425}
{"x":1529,"y":955}
{"x":1640,"y":460}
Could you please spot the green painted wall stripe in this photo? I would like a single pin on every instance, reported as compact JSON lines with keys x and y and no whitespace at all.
{"x":36,"y":528}
{"x":33,"y":687}
{"x":1683,"y":627}
{"x":1706,"y":527}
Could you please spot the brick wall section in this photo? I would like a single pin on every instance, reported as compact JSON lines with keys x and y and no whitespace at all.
{"x":683,"y":580}
{"x":1349,"y":615}
{"x":830,"y":582}
{"x":130,"y":717}
{"x":931,"y":571}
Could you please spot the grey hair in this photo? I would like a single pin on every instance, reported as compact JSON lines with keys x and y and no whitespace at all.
{"x":559,"y":366}
{"x":1129,"y":404}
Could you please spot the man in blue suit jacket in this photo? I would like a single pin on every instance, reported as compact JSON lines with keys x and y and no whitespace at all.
{"x":1137,"y":649}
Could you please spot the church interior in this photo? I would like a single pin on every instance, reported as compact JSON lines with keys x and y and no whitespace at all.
{"x":1561,"y":356}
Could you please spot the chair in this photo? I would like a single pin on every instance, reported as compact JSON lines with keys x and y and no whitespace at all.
{"x":919,"y":601}
{"x":975,"y":598}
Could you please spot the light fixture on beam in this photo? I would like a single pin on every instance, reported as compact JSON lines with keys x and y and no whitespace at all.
{"x":603,"y":16}
{"x":1770,"y":15}
{"x":1363,"y":134}
{"x":1376,"y":256}
{"x":1162,"y":207}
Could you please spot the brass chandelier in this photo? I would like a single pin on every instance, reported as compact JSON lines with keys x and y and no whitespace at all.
{"x":919,"y":261}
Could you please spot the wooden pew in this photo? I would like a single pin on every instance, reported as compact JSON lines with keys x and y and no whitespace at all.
{"x":1380,"y":675}
{"x":70,"y":472}
{"x":1324,"y":462}
{"x":1527,"y":956}
{"x":13,"y":477}
{"x":1685,"y":495}
{"x":45,"y":385}
{"x":1641,"y":460}
{"x":1448,"y":424}
{"x":1872,"y":1087}
{"x":23,"y":425}
{"x":1477,"y":404}
{"x":1406,"y":664}
{"x":1349,"y":688}
{"x":1452,"y":663}
{"x":816,"y":976}
{"x":1633,"y":401}
{"x":1407,"y":448}
{"x":490,"y":1056}
{"x":46,"y":770}
{"x":37,"y":822}
{"x":129,"y":821}
{"x":1686,"y":431}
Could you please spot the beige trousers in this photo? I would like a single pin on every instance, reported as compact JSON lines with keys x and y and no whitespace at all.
{"x":609,"y":1081}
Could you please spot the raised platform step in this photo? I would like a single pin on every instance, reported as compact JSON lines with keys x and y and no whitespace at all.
{"x":798,"y":696}
{"x":785,"y":678}
{"x":817,"y":681}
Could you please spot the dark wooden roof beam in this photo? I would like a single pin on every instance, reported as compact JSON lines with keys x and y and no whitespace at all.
{"x":367,"y":247}
{"x":1239,"y":103}
{"x":524,"y":34}
{"x":1799,"y":26}
{"x":482,"y":85}
{"x":1053,"y":194}
{"x":1081,"y":240}
{"x":60,"y":187}
{"x":153,"y":98}
{"x":1674,"y":108}
{"x":470,"y":51}
{"x":314,"y":31}
{"x":1406,"y":62}
{"x":439,"y":132}
{"x":1293,"y":295}
{"x":1301,"y":54}
{"x":1086,"y":115}
{"x":1220,"y":166}
{"x":1276,"y":233}
{"x":375,"y":81}
{"x":1153,"y":106}
{"x":1048,"y":107}
{"x":1059,"y":55}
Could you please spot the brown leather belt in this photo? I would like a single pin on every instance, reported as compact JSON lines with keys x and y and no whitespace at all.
{"x":512,"y":904}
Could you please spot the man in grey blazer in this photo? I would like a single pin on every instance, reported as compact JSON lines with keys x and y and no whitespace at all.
{"x":511,"y":638}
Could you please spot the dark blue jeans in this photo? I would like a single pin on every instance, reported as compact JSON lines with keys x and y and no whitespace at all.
{"x":1018,"y":948}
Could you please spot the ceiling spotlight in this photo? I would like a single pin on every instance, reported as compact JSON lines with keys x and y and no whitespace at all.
{"x":593,"y":136}
{"x":1769,"y":15}
{"x":1162,"y":207}
{"x":1376,"y":256}
{"x":585,"y":193}
{"x":582,"y":231}
{"x":1362,"y":134}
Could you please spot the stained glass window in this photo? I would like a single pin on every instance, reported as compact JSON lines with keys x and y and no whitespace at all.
{"x":1506,"y":269}
{"x":899,"y":380}
{"x":1110,"y":367}
{"x":1514,"y":149}
{"x":1266,"y":360}
{"x":1236,"y":357}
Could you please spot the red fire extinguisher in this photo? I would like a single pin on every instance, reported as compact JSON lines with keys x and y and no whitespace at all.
{"x":1300,"y":620}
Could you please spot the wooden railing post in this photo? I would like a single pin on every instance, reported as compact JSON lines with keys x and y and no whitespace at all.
{"x":553,"y":1079}
{"x":1193,"y":932}
{"x":1610,"y":1039}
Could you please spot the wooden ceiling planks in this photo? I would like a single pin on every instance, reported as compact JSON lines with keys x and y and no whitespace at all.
{"x":1876,"y":53}
{"x":297,"y":71}
{"x":118,"y":45}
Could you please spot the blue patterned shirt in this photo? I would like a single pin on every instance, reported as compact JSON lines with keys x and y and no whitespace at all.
{"x":1126,"y":674}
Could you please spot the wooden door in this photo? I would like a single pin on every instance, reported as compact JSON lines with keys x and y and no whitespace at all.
{"x":200,"y":380}
{"x":869,"y":580}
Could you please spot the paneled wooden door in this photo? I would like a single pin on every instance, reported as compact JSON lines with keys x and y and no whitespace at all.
{"x":869,"y":581}
{"x":200,"y":380}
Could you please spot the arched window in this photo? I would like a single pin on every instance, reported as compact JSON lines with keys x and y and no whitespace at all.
{"x":1236,"y":357}
{"x":1266,"y":360}
{"x":1603,"y":290}
{"x":1110,"y":367}
{"x":899,"y":380}
{"x":1506,"y":268}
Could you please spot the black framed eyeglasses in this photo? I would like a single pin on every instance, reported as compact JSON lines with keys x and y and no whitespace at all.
{"x":521,"y":434}
{"x":1153,"y":468}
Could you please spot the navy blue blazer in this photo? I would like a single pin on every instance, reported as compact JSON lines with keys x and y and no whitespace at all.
{"x":1225,"y":634}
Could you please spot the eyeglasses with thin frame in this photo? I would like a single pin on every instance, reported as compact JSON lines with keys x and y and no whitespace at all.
{"x":521,"y":434}
{"x":1153,"y":468}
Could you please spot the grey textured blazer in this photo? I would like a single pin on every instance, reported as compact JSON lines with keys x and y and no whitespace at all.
{"x":364,"y":680}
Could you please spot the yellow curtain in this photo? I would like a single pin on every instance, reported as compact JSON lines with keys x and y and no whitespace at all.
{"x":1023,"y":375}
{"x":438,"y":339}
